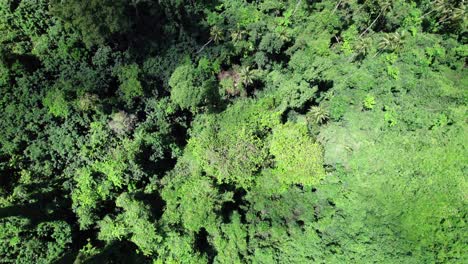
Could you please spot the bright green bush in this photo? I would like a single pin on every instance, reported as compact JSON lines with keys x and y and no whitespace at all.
{"x":192,"y":199}
{"x":134,"y":223}
{"x":56,"y":102}
{"x":190,"y":88}
{"x":231,"y":146}
{"x":130,"y":87}
{"x":298,"y":159}
{"x":369,"y":102}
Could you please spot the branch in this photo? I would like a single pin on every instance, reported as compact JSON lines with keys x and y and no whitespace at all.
{"x":336,"y":7}
{"x":373,"y":22}
{"x":295,"y":8}
{"x":337,"y":39}
{"x":206,"y":44}
{"x":433,"y":10}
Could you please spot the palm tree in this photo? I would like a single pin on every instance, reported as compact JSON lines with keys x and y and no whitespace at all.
{"x":392,"y":41}
{"x":216,"y":34}
{"x":318,"y":115}
{"x":246,"y":75}
{"x":363,"y":46}
{"x":237,"y":34}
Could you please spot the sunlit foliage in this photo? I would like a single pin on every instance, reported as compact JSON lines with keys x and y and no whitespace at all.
{"x":230,"y":131}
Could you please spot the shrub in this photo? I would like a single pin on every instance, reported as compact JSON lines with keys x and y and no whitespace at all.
{"x":298,"y":159}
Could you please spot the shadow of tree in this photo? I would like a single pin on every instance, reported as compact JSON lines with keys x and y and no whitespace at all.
{"x":118,"y":252}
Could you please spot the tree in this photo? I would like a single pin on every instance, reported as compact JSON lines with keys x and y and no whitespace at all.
{"x":122,"y":123}
{"x":56,"y":103}
{"x":169,"y":131}
{"x":231,"y":146}
{"x":21,"y":242}
{"x":231,"y":241}
{"x":298,"y":159}
{"x":134,"y":222}
{"x":318,"y":114}
{"x":130,"y":87}
{"x":190,"y":87}
{"x":192,"y":198}
{"x":97,"y":20}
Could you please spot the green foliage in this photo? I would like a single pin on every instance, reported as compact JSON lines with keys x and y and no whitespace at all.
{"x":191,"y":87}
{"x":11,"y":237}
{"x":392,"y":41}
{"x":300,"y":162}
{"x":230,"y":146}
{"x":21,"y":25}
{"x":85,"y":197}
{"x":107,"y":173}
{"x":285,"y":226}
{"x":178,"y":248}
{"x":402,"y":198}
{"x":60,"y":234}
{"x":349,"y":37}
{"x":23,"y":243}
{"x":130,"y":87}
{"x":391,"y":118}
{"x":134,"y":222}
{"x":56,"y":103}
{"x":97,"y":20}
{"x":318,"y":114}
{"x":230,"y":87}
{"x":192,"y":198}
{"x":233,"y":132}
{"x":231,"y":241}
{"x":393,"y":72}
{"x":87,"y":102}
{"x":87,"y":252}
{"x":369,"y":102}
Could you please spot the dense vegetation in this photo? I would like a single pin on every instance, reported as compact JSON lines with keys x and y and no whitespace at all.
{"x":232,"y":131}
